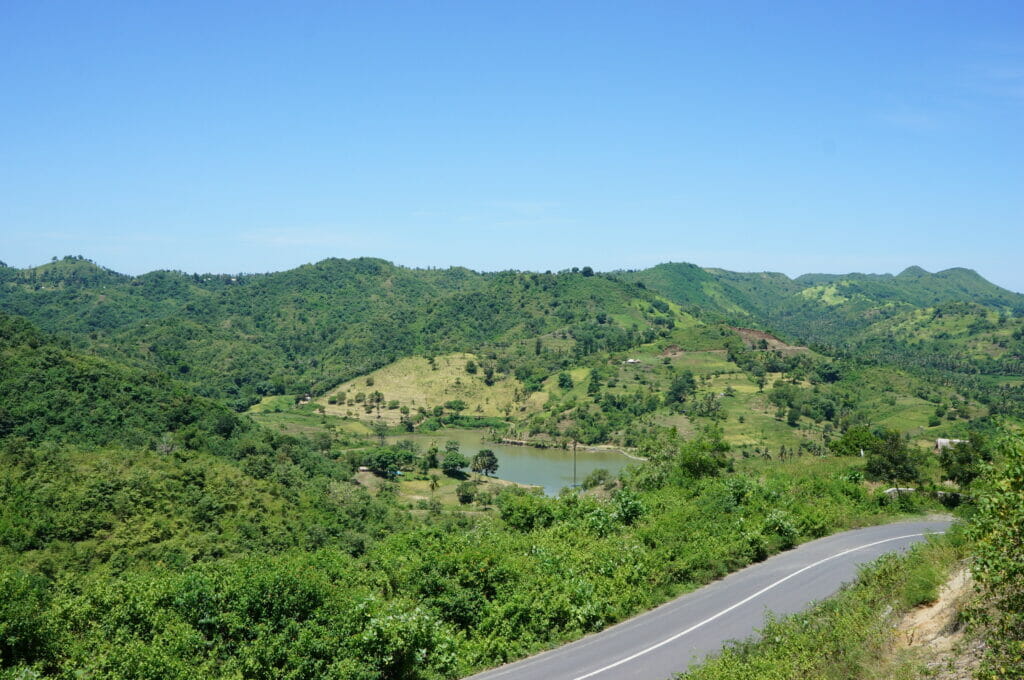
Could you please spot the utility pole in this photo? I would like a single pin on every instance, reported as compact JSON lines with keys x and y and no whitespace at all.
{"x":574,"y":464}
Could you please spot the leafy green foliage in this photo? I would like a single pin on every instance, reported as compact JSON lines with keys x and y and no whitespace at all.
{"x":998,"y":566}
{"x":51,"y":393}
{"x":965,"y":461}
{"x":454,"y":463}
{"x":893,"y":461}
{"x":148,"y":531}
{"x":485,"y":462}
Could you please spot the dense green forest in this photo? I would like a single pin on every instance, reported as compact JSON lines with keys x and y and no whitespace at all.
{"x":150,"y":527}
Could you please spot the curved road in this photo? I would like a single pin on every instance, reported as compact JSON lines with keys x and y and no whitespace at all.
{"x":668,"y":639}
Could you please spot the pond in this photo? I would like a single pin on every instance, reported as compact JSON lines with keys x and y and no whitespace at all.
{"x":548,"y":468}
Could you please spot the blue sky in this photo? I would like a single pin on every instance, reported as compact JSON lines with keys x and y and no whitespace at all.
{"x":247,"y":136}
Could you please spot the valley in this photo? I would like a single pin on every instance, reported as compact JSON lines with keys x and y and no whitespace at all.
{"x":355,"y":469}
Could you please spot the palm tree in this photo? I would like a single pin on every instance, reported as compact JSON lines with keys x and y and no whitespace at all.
{"x":435,"y":481}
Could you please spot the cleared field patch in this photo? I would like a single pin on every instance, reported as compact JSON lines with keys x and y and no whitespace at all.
{"x":307,"y":423}
{"x":756,"y":339}
{"x":750,"y":418}
{"x":415,"y":383}
{"x":679,"y":421}
{"x":278,"y":402}
{"x":413,"y":491}
{"x":905,"y":414}
{"x":704,"y":362}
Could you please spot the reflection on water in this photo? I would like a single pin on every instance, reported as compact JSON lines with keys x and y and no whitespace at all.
{"x":549,"y":468}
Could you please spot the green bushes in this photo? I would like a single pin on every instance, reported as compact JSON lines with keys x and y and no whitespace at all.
{"x":189,"y":565}
{"x":998,"y":530}
{"x":290,"y":616}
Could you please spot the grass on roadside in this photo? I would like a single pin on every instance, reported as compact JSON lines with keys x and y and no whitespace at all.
{"x":849,"y":636}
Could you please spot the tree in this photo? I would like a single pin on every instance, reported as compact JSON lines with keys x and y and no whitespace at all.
{"x":587,"y":271}
{"x":855,"y":441}
{"x":526,"y":512}
{"x":456,"y":406}
{"x":893,"y":461}
{"x":565,"y":381}
{"x":380,"y":430}
{"x":596,"y":478}
{"x":387,"y":460}
{"x":430,"y":458}
{"x":682,"y":386}
{"x":793,"y":416}
{"x":435,"y":481}
{"x":485,"y":462}
{"x":963,"y":462}
{"x":453,"y":463}
{"x":466,"y":492}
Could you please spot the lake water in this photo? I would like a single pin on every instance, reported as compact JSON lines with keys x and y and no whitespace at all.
{"x":548,"y":468}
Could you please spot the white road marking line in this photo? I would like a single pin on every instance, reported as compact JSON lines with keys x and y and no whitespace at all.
{"x":746,"y":600}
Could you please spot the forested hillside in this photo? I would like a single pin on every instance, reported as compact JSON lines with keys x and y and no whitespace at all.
{"x":308,"y":329}
{"x":150,"y":530}
{"x":572,"y":355}
{"x":952,"y":327}
{"x":49,"y":392}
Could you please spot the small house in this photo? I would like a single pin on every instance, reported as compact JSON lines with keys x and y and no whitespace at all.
{"x":941,"y":444}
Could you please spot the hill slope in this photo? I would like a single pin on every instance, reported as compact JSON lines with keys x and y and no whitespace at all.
{"x":240,"y":337}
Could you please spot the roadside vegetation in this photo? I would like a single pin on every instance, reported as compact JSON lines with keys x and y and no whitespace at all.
{"x":855,"y":635}
{"x":851,"y":636}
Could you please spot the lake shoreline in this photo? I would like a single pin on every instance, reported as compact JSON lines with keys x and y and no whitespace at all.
{"x":549,"y":467}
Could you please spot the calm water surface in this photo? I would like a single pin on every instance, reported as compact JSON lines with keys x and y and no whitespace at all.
{"x":549,"y":468}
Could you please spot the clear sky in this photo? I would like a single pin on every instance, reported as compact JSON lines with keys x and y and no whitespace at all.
{"x":247,"y":136}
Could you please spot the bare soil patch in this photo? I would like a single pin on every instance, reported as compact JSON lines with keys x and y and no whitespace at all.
{"x":753,"y":339}
{"x":934,"y":634}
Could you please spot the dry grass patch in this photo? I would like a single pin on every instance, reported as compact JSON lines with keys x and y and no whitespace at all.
{"x":413,"y":382}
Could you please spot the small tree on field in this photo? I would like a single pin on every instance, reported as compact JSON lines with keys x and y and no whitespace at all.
{"x":380,"y":430}
{"x":453,"y":463}
{"x":793,"y":416}
{"x":485,"y":462}
{"x":466,"y":492}
{"x":682,"y":386}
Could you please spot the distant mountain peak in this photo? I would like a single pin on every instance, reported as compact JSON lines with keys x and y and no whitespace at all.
{"x":913,"y":271}
{"x":960,"y":272}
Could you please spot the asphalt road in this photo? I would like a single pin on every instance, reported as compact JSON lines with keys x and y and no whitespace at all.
{"x":668,"y":639}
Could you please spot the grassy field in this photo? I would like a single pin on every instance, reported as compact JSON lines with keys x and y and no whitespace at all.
{"x":305,"y":420}
{"x":414,"y":383}
{"x":750,"y":419}
{"x":417,"y":491}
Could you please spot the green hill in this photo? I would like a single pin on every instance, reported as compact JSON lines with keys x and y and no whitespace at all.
{"x":49,"y":392}
{"x":309,"y":329}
